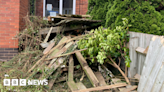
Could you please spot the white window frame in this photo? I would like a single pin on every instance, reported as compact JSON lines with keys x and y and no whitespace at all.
{"x":60,"y":7}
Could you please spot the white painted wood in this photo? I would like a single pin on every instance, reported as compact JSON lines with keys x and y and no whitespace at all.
{"x":60,"y":6}
{"x":154,"y":71}
{"x":154,"y":48}
{"x":159,"y":80}
{"x":74,"y":7}
{"x":44,"y":5}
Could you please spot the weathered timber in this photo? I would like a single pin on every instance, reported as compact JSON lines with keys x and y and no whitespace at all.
{"x":152,"y":67}
{"x":137,"y":40}
{"x":52,"y":81}
{"x":102,"y":87}
{"x":44,"y":44}
{"x":116,"y":81}
{"x":49,"y":47}
{"x":61,"y":51}
{"x":72,"y":85}
{"x":55,"y":29}
{"x":71,"y":69}
{"x":100,"y":79}
{"x":142,"y":50}
{"x":87,"y":69}
{"x":129,"y":89}
{"x":67,"y":54}
{"x":81,"y":60}
{"x":80,"y":85}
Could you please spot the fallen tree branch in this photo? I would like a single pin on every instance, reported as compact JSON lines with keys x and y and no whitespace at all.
{"x":123,"y":74}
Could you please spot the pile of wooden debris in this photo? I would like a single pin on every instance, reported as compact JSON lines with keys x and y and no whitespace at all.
{"x":53,"y":59}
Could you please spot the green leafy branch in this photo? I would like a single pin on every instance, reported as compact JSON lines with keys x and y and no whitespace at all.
{"x":107,"y":45}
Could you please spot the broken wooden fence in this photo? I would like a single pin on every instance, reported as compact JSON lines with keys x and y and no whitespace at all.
{"x":153,"y":71}
{"x":138,"y":44}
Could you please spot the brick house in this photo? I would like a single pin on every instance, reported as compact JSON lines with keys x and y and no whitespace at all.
{"x":13,"y":11}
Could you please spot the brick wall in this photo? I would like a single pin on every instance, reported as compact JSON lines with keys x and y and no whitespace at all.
{"x":81,"y":7}
{"x":9,"y":26}
{"x":7,"y":53}
{"x":39,"y":8}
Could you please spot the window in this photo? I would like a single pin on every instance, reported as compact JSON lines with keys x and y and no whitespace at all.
{"x":55,"y":7}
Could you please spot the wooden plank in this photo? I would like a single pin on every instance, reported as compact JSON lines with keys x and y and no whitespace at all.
{"x":141,"y":50}
{"x":57,"y":49}
{"x":146,"y":50}
{"x":48,"y":48}
{"x":102,"y":87}
{"x":100,"y":79}
{"x":137,"y":76}
{"x":71,"y":69}
{"x":53,"y":67}
{"x":81,"y":60}
{"x":91,"y":76}
{"x":162,"y":88}
{"x":133,"y":44}
{"x":155,"y":70}
{"x":87,"y":70}
{"x":52,"y":81}
{"x":44,"y":44}
{"x":48,"y":35}
{"x":143,"y":42}
{"x":72,"y":85}
{"x":141,"y":58}
{"x":150,"y":61}
{"x":116,"y":81}
{"x":61,"y":51}
{"x":80,"y":85}
{"x":77,"y":19}
{"x":67,"y":54}
{"x":129,"y":89}
{"x":55,"y":29}
{"x":159,"y":80}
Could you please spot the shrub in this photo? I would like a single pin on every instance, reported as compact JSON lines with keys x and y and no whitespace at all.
{"x":145,"y":15}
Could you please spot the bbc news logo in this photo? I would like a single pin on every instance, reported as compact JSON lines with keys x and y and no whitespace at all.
{"x":23,"y":82}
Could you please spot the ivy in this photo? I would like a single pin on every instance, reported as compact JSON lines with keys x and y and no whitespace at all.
{"x":32,"y":7}
{"x":107,"y":42}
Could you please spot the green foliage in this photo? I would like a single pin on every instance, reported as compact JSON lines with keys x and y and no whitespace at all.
{"x":98,"y":9}
{"x":107,"y":42}
{"x":32,"y":7}
{"x":145,"y":15}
